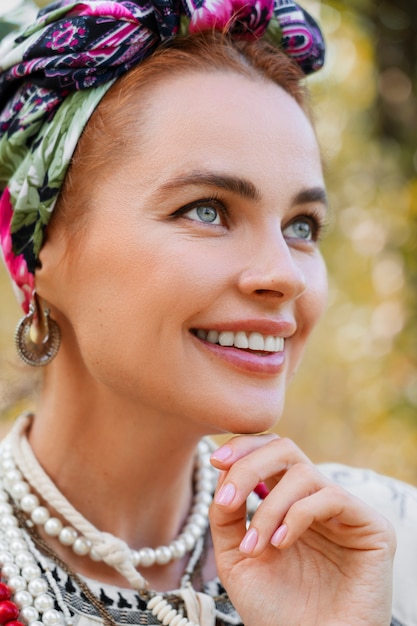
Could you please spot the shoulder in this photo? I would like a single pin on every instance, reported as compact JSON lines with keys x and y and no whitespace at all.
{"x":397,"y":501}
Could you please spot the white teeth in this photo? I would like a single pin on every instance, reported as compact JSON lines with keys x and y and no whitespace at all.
{"x":226,"y":338}
{"x":256,"y":342}
{"x":279,"y":344}
{"x":242,"y":340}
{"x":270,"y":344}
{"x":213,"y":336}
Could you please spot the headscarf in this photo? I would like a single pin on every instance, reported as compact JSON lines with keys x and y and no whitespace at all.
{"x":55,"y":72}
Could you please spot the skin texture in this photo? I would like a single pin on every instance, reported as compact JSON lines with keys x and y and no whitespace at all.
{"x":310,"y":545}
{"x":248,"y":270}
{"x":133,"y":381}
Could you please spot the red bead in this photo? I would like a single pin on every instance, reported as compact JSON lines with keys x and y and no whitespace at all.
{"x":4,"y":592}
{"x":261,"y":490}
{"x":14,"y":622}
{"x":8,"y":611}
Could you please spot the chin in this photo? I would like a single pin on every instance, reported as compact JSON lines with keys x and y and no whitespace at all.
{"x":250,"y":423}
{"x":254,"y":429}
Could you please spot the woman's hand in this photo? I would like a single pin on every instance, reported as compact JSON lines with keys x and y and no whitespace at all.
{"x":313,"y":554}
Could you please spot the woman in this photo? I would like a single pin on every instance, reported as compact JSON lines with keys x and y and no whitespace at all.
{"x":178,"y":277}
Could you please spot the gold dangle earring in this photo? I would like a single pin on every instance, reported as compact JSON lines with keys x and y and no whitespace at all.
{"x":37,"y":335}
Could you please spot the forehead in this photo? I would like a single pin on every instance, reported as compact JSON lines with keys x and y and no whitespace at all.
{"x":222,"y":121}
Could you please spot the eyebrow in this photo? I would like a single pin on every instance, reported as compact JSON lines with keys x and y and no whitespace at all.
{"x":312,"y":195}
{"x":239,"y":186}
{"x":234,"y":184}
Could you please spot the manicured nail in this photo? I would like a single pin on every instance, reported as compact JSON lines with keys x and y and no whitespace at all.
{"x":225,"y":494}
{"x":249,"y":541}
{"x":222,"y":454}
{"x":279,"y":535}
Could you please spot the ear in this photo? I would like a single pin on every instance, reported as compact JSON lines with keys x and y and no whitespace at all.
{"x":49,"y":266}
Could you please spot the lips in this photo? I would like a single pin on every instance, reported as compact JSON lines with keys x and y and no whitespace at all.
{"x":243,"y":340}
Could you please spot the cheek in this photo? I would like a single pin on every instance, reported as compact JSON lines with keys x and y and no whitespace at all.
{"x":313,"y":302}
{"x":310,"y":306}
{"x":136,"y":293}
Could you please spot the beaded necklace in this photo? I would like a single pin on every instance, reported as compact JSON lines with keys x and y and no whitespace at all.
{"x":19,"y":555}
{"x":22,"y":470}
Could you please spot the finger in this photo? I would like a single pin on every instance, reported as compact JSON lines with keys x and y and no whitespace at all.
{"x":265,"y":464}
{"x":227,"y":530}
{"x":238,"y":447}
{"x":298,"y":483}
{"x":337,"y":515}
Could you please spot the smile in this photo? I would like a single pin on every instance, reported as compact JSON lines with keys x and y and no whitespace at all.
{"x":242,"y":340}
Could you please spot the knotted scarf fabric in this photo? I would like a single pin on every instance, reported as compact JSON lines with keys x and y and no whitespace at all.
{"x":55,"y":72}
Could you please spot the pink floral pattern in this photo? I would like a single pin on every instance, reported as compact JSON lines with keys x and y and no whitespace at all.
{"x":65,"y":37}
{"x":16,"y":265}
{"x":247,"y":19}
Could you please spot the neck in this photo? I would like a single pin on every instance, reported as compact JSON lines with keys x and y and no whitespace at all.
{"x":126,"y":468}
{"x":27,"y":462}
{"x":145,"y":476}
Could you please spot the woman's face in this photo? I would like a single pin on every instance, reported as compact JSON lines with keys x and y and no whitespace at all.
{"x":198,"y":279}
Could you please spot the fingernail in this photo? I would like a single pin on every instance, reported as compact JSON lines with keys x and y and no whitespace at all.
{"x":225,"y":494}
{"x":222,"y":454}
{"x":249,"y":541}
{"x":279,"y":535}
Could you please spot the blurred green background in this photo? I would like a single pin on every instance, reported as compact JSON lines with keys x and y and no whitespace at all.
{"x":355,"y":397}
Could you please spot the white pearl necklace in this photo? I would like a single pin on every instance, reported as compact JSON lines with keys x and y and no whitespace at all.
{"x":30,"y":591}
{"x":195,"y":525}
{"x":19,"y":566}
{"x":23,"y":575}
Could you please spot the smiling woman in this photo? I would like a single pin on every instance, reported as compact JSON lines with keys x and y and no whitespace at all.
{"x":242,"y":271}
{"x":166,"y":200}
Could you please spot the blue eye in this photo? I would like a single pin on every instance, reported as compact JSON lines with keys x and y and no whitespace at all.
{"x":301,"y":228}
{"x":204,"y":213}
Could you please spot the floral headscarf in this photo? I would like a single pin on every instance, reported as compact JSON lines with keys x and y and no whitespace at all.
{"x":55,"y":72}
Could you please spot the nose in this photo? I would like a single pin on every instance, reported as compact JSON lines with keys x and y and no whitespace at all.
{"x":273,"y":270}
